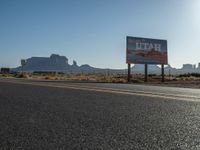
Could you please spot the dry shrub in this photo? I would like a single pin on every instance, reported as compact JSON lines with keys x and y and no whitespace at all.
{"x":21,"y":75}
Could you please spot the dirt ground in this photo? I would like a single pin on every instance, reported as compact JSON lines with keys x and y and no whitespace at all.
{"x":170,"y":81}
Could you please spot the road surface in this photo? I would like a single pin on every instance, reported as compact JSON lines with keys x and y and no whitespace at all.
{"x":66,"y":115}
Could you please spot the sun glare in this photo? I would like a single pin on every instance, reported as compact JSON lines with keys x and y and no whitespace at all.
{"x":197,"y":11}
{"x":195,"y":14}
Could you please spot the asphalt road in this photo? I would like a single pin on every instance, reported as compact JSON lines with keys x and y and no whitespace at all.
{"x":66,"y":115}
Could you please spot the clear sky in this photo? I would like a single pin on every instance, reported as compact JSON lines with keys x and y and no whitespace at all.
{"x":94,"y":31}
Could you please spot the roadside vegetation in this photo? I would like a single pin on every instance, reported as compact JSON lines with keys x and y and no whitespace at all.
{"x":107,"y":77}
{"x":197,"y":75}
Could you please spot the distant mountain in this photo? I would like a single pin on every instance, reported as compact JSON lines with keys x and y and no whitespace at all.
{"x":52,"y":63}
{"x":140,"y":68}
{"x":60,"y":64}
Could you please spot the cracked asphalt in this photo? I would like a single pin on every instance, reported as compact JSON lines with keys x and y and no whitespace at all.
{"x":50,"y":118}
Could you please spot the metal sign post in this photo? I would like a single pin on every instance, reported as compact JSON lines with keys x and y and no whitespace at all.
{"x":146,"y":72}
{"x":129,"y":73}
{"x":163,"y":73}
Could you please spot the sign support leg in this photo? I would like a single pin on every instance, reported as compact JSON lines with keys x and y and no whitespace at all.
{"x":129,"y":73}
{"x":163,"y":74}
{"x":146,"y":72}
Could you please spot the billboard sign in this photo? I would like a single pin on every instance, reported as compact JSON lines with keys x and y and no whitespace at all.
{"x":146,"y":51}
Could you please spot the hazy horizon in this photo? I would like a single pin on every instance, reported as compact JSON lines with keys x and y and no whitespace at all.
{"x":70,"y":62}
{"x":94,"y":32}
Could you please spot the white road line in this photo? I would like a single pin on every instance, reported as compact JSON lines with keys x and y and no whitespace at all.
{"x":112,"y":90}
{"x":140,"y":92}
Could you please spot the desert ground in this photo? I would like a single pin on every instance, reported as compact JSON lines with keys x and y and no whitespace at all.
{"x":189,"y":80}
